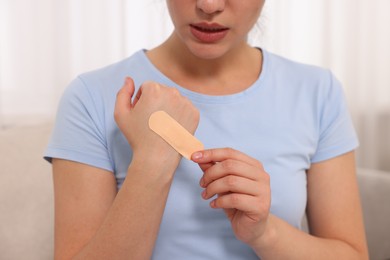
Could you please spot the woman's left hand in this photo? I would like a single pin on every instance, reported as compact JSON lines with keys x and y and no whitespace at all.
{"x":242,"y":188}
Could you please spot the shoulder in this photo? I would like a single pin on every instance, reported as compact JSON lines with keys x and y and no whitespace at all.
{"x":114,"y":73}
{"x":101,"y":85}
{"x":299,"y":76}
{"x":296,"y":69}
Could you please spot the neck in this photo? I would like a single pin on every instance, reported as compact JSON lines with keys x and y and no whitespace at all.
{"x":231,"y":72}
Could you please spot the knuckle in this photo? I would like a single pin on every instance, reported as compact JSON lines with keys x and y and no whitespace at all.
{"x":151,"y":85}
{"x":259,"y":164}
{"x":208,"y":153}
{"x":174,"y":92}
{"x":151,"y":88}
{"x":228,"y":165}
{"x":231,"y":181}
{"x":234,"y":199}
{"x":146,"y":86}
{"x":264,"y":177}
{"x":230,"y":151}
{"x":155,"y":87}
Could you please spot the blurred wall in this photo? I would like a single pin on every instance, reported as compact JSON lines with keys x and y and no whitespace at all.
{"x":44,"y":44}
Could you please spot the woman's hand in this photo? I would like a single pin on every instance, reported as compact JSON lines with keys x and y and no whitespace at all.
{"x":242,"y":188}
{"x":132,"y":116}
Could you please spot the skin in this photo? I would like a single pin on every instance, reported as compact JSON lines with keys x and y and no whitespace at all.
{"x":203,"y":68}
{"x":95,"y":221}
{"x":92,"y":220}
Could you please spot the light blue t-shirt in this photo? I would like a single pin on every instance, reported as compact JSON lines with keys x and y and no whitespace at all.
{"x":292,"y":116}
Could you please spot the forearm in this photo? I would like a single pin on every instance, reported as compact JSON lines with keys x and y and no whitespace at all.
{"x":283,"y":241}
{"x":132,"y":223}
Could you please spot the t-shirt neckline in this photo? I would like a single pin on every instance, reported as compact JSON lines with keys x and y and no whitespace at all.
{"x":204,"y":98}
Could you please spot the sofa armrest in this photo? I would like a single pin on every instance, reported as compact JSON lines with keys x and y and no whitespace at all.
{"x":374,"y":189}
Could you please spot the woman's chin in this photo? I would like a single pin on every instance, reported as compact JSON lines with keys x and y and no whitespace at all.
{"x":208,"y":51}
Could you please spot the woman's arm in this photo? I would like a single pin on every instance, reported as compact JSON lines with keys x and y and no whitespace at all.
{"x":92,"y":220}
{"x":83,"y":196}
{"x":334,"y":210}
{"x":334,"y":215}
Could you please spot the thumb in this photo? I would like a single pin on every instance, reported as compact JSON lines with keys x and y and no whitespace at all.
{"x":197,"y":157}
{"x":126,"y":93}
{"x":123,"y":98}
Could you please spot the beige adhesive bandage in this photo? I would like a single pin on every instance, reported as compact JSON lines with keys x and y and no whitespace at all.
{"x":174,"y":134}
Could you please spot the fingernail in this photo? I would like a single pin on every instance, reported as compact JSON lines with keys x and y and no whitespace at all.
{"x":201,"y":182}
{"x":197,"y":155}
{"x":204,"y":194}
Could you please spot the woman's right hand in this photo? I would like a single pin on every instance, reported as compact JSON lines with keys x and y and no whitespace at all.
{"x":132,"y":117}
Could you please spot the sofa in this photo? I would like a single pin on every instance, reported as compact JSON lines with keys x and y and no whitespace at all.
{"x":26,"y":198}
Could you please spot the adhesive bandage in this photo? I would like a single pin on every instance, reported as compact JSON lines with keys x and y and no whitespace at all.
{"x":174,"y":134}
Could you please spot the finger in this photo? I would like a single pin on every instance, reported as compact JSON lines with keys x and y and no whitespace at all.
{"x":251,"y":205}
{"x":232,"y":184}
{"x":123,"y":97}
{"x":221,"y":154}
{"x":137,"y":96}
{"x":232,"y":167}
{"x":205,"y":166}
{"x":150,"y":87}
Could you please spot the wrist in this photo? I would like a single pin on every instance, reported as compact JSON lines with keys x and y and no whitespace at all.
{"x":152,"y":162}
{"x":269,"y":237}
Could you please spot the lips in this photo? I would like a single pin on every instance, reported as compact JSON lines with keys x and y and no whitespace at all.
{"x":209,"y":32}
{"x":209,"y":27}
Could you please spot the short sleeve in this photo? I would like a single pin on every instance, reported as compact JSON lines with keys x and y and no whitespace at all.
{"x":336,"y":132}
{"x":78,"y":133}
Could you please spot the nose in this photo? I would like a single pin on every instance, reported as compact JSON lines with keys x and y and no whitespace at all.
{"x":211,"y":6}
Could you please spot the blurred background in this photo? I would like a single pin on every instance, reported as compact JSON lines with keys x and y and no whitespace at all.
{"x":44,"y":44}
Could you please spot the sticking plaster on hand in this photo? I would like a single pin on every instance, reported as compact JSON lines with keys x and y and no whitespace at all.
{"x":174,"y":134}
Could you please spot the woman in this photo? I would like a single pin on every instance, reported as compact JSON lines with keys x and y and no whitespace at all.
{"x":121,"y":192}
